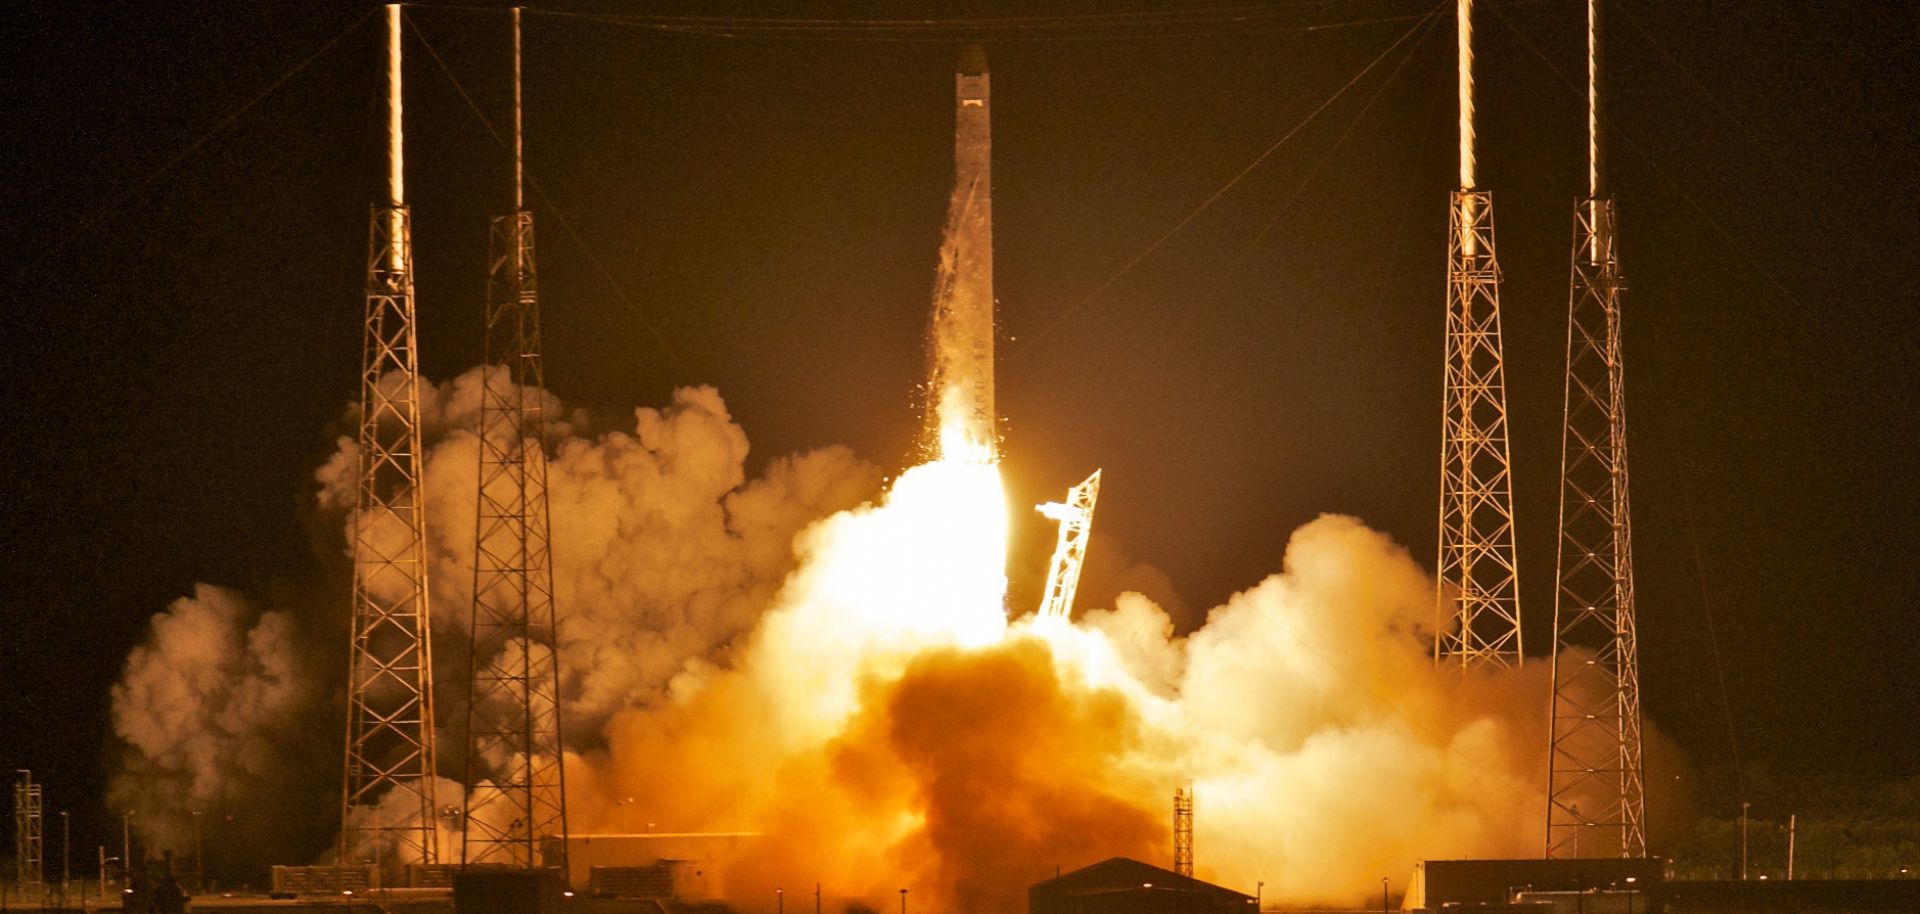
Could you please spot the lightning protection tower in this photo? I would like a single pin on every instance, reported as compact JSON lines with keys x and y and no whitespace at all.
{"x":389,"y":751}
{"x":1076,"y":524}
{"x":1478,"y":586}
{"x":515,"y":780}
{"x":1595,"y":793}
{"x":29,"y":858}
{"x":1183,"y":830}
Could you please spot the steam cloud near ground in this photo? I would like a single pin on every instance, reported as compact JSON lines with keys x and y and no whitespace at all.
{"x":743,"y":654}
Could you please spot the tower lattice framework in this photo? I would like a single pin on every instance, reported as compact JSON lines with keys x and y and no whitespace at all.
{"x":1596,"y":789}
{"x":390,"y":739}
{"x":516,"y":780}
{"x":1478,"y":581}
{"x":29,"y":857}
{"x":1183,"y":830}
{"x":1075,"y":517}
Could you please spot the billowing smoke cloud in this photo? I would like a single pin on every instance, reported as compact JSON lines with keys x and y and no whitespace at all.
{"x":1325,"y":748}
{"x":214,"y":711}
{"x":666,"y":554}
{"x":804,"y":656}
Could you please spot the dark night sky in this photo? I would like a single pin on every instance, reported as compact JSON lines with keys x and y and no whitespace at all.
{"x":770,"y":208}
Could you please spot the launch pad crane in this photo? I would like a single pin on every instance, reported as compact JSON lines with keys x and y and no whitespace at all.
{"x":1076,"y":522}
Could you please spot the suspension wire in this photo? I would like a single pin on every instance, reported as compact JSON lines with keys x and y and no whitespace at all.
{"x":825,"y":35}
{"x":1140,"y":258}
{"x":1724,"y":109}
{"x":1220,"y":286}
{"x":1320,"y":166}
{"x":120,"y":200}
{"x":1909,"y":345}
{"x":1713,"y":639}
{"x":1154,"y":25}
{"x":558,"y":213}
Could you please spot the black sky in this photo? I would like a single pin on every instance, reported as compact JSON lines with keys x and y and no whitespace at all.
{"x":185,"y":328}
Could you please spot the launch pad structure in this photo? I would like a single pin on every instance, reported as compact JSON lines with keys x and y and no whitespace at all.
{"x":1075,"y":517}
{"x":1596,"y":785}
{"x":515,"y":774}
{"x":1478,"y":591}
{"x":387,"y":802}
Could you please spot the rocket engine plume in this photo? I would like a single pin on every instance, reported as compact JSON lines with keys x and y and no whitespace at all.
{"x":960,"y":411}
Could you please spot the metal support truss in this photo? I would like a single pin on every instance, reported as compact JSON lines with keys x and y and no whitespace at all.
{"x":1596,"y":792}
{"x":390,"y":676}
{"x":1183,"y":830}
{"x":29,"y":848}
{"x":1478,"y":588}
{"x":1076,"y":524}
{"x":516,"y":784}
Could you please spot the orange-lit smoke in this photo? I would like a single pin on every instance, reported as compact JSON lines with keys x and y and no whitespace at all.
{"x":885,"y":727}
{"x":796,"y":656}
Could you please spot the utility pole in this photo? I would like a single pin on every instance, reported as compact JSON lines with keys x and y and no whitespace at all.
{"x":390,"y":720}
{"x":1594,"y":746}
{"x":1743,"y":839}
{"x":1477,"y":581}
{"x":66,"y":857}
{"x":1791,"y":817}
{"x":126,"y":849}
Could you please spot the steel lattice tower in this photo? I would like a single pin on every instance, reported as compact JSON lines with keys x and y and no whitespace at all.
{"x":1183,"y":830}
{"x":29,"y":856}
{"x":1478,"y":584}
{"x":1596,"y":792}
{"x":390,"y":673}
{"x":516,"y":784}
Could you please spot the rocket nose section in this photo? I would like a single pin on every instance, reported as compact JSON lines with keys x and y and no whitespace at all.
{"x":973,"y":61}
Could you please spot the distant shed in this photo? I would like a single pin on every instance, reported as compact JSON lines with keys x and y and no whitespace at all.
{"x":1121,"y":885}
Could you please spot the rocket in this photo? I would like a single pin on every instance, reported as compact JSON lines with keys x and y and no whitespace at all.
{"x":960,"y":385}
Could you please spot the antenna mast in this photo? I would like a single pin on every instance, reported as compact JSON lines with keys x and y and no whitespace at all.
{"x":516,"y":783}
{"x":390,"y":672}
{"x":1478,"y":585}
{"x":1596,"y":790}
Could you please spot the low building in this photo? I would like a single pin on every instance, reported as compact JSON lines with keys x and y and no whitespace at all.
{"x":1121,"y":885}
{"x":694,"y":860}
{"x":1533,"y":884}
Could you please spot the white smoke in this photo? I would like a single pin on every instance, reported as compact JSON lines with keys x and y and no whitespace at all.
{"x":666,"y":552}
{"x":213,"y":710}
